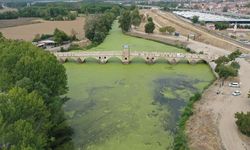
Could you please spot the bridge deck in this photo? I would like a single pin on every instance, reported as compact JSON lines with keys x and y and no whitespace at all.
{"x":103,"y":56}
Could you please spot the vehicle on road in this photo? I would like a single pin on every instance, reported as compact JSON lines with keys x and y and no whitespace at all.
{"x":234,"y":84}
{"x":236,"y":93}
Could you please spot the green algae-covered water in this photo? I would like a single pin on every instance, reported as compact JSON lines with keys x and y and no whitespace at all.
{"x":129,"y":107}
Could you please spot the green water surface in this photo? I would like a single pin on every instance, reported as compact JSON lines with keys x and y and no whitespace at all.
{"x":129,"y":107}
{"x":116,"y":40}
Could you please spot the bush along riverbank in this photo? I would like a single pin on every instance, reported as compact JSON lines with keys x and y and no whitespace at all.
{"x":180,"y":140}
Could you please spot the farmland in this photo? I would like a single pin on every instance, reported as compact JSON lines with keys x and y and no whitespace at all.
{"x":28,"y":32}
{"x":18,"y":22}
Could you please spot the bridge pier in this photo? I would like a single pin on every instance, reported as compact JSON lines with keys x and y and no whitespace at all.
{"x":192,"y":62}
{"x":172,"y":61}
{"x":150,"y":60}
{"x":62,"y":60}
{"x":103,"y":60}
{"x":79,"y":60}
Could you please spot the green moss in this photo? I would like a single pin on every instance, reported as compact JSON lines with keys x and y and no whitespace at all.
{"x":112,"y":107}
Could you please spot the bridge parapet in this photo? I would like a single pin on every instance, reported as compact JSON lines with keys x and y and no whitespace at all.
{"x":126,"y":57}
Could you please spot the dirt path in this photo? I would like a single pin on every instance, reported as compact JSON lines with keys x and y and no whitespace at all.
{"x":212,"y":127}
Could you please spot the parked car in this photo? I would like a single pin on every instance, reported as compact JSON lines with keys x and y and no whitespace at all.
{"x":234,"y":84}
{"x":236,"y":93}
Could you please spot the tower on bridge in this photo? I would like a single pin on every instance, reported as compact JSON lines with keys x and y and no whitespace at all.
{"x":126,"y":54}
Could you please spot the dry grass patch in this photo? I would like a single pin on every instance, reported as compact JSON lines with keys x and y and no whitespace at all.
{"x":28,"y":32}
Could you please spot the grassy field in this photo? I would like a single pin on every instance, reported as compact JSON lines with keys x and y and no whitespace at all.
{"x":116,"y":39}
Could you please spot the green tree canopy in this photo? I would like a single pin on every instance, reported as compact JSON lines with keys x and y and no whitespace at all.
{"x":150,"y":26}
{"x":26,"y":66}
{"x":97,"y":27}
{"x":221,"y":25}
{"x":60,"y":36}
{"x":125,"y":21}
{"x":243,"y":122}
{"x":135,"y":17}
{"x":170,"y":29}
{"x":195,"y":19}
{"x":25,"y":120}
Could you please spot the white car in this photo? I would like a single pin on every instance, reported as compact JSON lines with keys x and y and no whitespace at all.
{"x":236,"y":93}
{"x":234,"y":84}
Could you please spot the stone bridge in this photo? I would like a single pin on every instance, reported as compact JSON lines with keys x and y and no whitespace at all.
{"x":126,"y":56}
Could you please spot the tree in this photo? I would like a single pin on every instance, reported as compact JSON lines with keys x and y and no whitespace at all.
{"x":163,"y":30}
{"x":150,"y":26}
{"x":221,"y":25}
{"x":9,"y":15}
{"x":135,"y":17}
{"x":235,"y":65}
{"x":25,"y":66}
{"x":234,"y":55}
{"x":150,"y":19}
{"x":97,"y":27}
{"x":226,"y":71}
{"x":243,"y":122}
{"x":60,"y":36}
{"x":115,"y":10}
{"x":125,"y":21}
{"x":195,"y":19}
{"x":25,"y":120}
{"x":222,"y":60}
{"x":170,"y":29}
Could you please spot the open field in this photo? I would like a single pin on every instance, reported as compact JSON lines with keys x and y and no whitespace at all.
{"x":28,"y":32}
{"x":7,"y":9}
{"x":185,"y":28}
{"x":116,"y":39}
{"x":18,"y":22}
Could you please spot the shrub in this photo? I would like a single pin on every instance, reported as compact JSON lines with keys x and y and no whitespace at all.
{"x":180,"y":140}
{"x":235,"y":65}
{"x":243,"y":122}
{"x":221,"y":25}
{"x":170,"y":29}
{"x":150,"y":26}
{"x":195,"y":19}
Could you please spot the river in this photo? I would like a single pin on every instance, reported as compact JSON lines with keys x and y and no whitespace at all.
{"x":129,"y":107}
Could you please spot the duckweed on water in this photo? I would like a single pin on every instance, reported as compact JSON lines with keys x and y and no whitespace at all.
{"x":129,"y":107}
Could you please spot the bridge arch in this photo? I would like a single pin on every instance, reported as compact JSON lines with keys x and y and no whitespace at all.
{"x":161,"y":60}
{"x":114,"y":59}
{"x":91,"y":59}
{"x":138,"y":59}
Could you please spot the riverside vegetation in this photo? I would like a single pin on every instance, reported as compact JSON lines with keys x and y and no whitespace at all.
{"x":32,"y":85}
